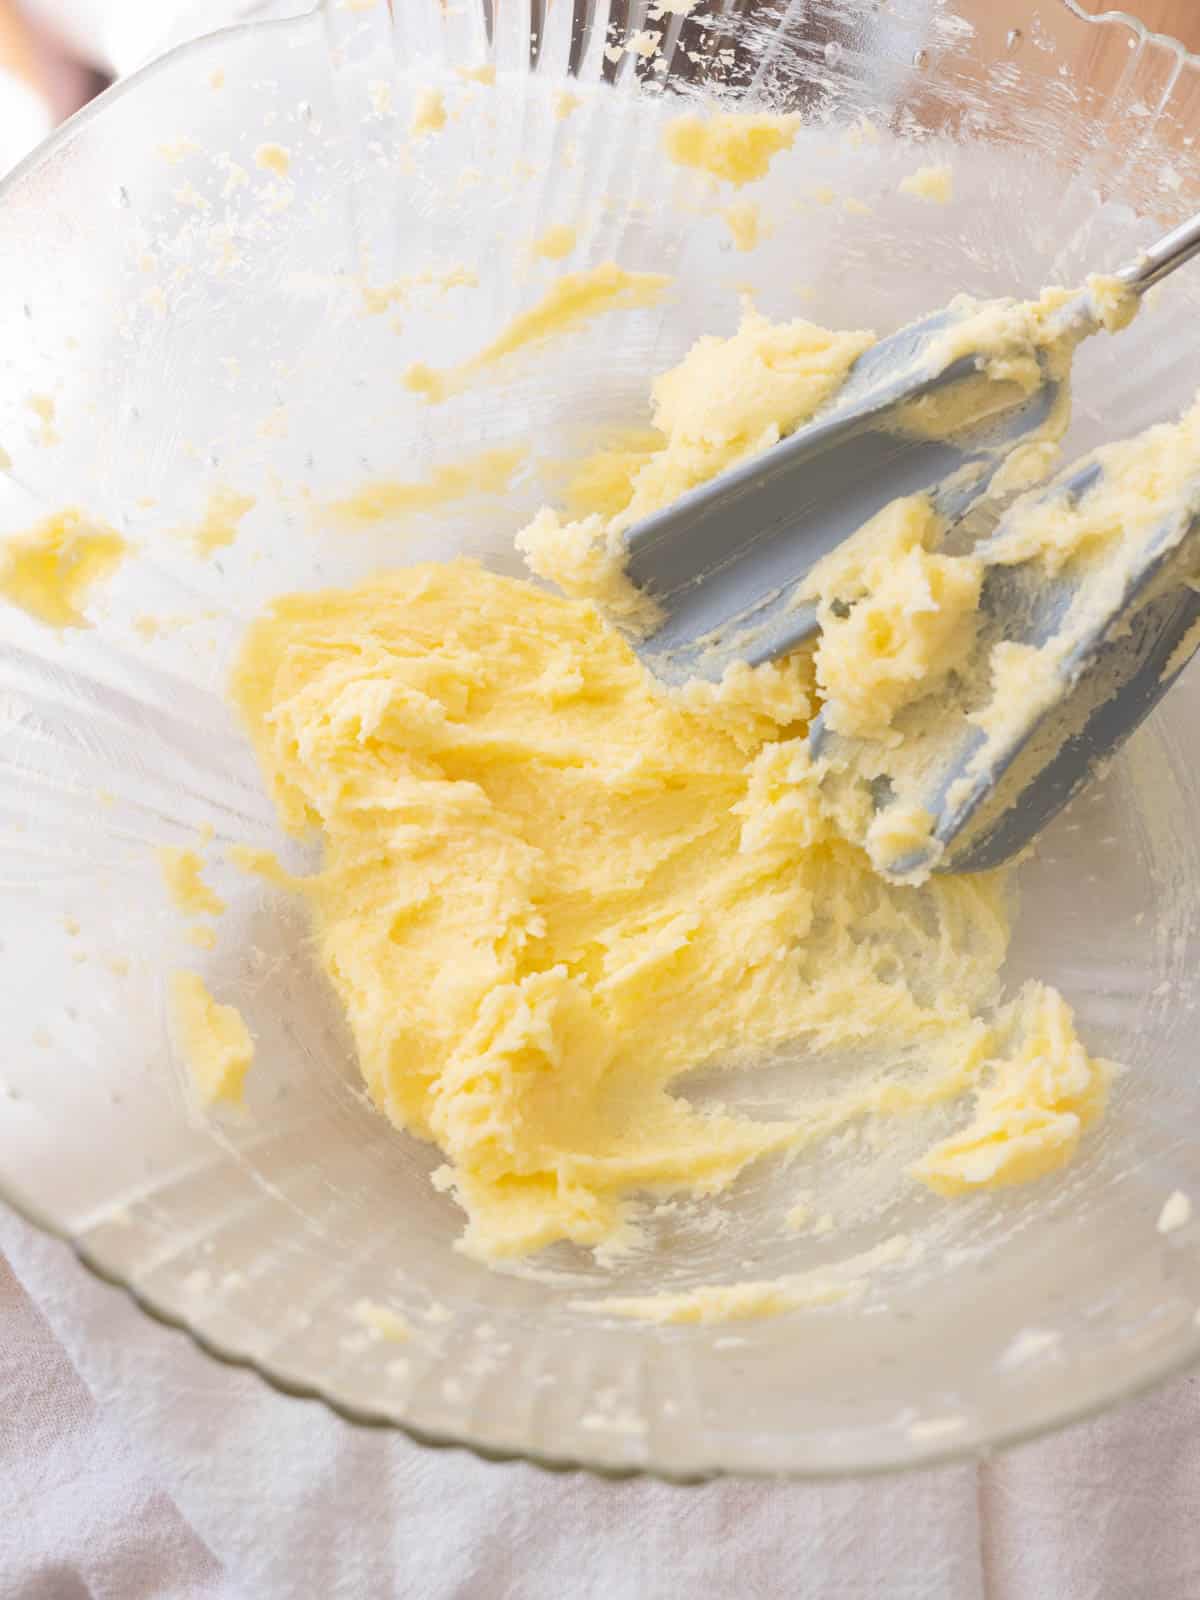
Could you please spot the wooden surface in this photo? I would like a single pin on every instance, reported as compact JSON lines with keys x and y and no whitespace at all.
{"x":1181,"y":18}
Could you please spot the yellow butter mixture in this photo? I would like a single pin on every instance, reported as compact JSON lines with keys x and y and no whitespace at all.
{"x":214,"y":1039}
{"x":51,"y":571}
{"x":551,"y":888}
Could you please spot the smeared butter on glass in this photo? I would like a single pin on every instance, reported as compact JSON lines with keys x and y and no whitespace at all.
{"x":429,"y":113}
{"x":734,"y":147}
{"x":381,"y":1321}
{"x":52,"y":571}
{"x":756,"y":1298}
{"x":489,"y":472}
{"x":222,"y":519}
{"x":215,"y":1040}
{"x":570,"y":303}
{"x":744,"y":224}
{"x":276,"y":158}
{"x":556,"y":243}
{"x":181,"y":870}
{"x":934,"y":183}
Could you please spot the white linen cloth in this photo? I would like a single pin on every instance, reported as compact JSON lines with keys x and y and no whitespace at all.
{"x":133,"y":1467}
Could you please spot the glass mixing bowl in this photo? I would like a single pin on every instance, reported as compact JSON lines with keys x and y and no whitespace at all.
{"x":182,"y":309}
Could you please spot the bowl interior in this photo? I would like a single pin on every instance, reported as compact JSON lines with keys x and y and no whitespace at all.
{"x":179,"y":314}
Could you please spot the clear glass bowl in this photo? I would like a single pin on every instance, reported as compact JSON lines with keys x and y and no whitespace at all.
{"x":199,"y":319}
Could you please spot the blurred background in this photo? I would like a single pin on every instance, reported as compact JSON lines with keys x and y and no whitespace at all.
{"x":56,"y":54}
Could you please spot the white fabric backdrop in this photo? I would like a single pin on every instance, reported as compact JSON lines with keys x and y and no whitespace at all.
{"x":134,"y":1468}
